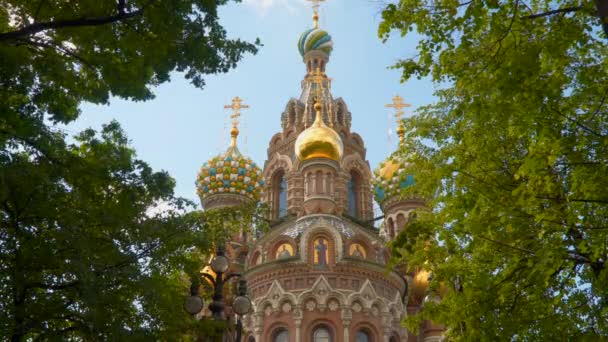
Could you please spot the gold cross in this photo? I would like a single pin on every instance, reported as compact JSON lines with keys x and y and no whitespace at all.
{"x":398,"y":104}
{"x":236,"y":107}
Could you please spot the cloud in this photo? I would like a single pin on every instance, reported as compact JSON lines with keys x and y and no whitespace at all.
{"x":262,"y":6}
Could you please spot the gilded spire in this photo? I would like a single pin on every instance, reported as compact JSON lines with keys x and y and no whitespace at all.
{"x":315,"y":9}
{"x":398,"y":104}
{"x":236,"y":107}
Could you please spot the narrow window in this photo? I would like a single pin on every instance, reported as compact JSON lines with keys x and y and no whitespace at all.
{"x":279,"y":195}
{"x":362,"y":336}
{"x":321,"y":335}
{"x":281,"y":336}
{"x":283,"y":197}
{"x":353,"y":194}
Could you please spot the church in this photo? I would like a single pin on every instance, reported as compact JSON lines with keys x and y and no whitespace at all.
{"x":320,"y":273}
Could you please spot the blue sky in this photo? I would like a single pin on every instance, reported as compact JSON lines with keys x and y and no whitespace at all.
{"x":184,"y":126}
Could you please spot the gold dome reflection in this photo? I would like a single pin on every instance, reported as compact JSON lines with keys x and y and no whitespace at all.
{"x":319,"y":141}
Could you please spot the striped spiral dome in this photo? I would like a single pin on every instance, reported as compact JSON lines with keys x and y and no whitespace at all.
{"x":315,"y":39}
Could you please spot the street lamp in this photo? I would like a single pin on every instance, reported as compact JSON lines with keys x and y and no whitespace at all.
{"x":241,"y":305}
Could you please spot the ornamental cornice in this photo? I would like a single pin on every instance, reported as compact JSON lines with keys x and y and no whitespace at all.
{"x":217,"y":201}
{"x":412,"y":200}
{"x":260,"y":276}
{"x":322,"y":297}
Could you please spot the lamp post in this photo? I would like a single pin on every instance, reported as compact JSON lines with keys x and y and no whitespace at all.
{"x":241,"y":304}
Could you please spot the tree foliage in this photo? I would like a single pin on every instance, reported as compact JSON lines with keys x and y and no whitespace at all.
{"x":94,"y":245}
{"x":514,"y":160}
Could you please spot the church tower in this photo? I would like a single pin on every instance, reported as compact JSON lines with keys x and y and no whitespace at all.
{"x":319,"y":274}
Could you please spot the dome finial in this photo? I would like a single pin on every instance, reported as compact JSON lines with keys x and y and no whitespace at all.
{"x":236,"y":107}
{"x":315,"y":8}
{"x":398,"y":104}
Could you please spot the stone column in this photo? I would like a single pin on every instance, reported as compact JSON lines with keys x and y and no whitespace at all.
{"x":258,"y":321}
{"x":298,"y":330}
{"x":387,"y":319}
{"x":297,"y":317}
{"x":347,"y":316}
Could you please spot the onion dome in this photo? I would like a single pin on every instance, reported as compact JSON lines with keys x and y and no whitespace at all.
{"x":230,"y":172}
{"x":419,"y":283}
{"x":319,"y":141}
{"x":390,"y":178}
{"x":315,"y":39}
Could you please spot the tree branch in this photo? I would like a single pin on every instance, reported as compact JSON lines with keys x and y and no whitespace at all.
{"x":78,"y":22}
{"x":560,"y":10}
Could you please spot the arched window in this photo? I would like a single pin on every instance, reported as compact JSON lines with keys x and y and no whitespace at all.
{"x":292,"y":117}
{"x":321,"y":334}
{"x":340,"y":115}
{"x":393,"y":339}
{"x":400,"y":222}
{"x":281,"y":335}
{"x":280,"y":194}
{"x":362,"y":336}
{"x":251,"y":339}
{"x":353,"y":194}
{"x":391,"y":227}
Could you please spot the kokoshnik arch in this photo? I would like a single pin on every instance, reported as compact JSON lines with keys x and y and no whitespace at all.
{"x":319,"y":274}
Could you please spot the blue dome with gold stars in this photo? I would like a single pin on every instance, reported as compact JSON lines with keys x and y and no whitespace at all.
{"x":390,"y":178}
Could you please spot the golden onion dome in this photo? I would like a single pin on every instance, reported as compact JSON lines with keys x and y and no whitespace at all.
{"x":420,"y":283}
{"x":319,"y":141}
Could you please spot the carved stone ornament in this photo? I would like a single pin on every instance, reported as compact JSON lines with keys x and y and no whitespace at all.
{"x":286,"y":307}
{"x":311,"y":305}
{"x":333,"y":305}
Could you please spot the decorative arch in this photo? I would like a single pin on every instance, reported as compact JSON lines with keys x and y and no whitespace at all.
{"x":275,"y":330}
{"x":276,"y":192}
{"x":256,"y":258}
{"x":399,"y":219}
{"x":278,"y":162}
{"x":281,"y":243}
{"x":316,"y":327}
{"x":356,"y":138}
{"x":343,"y":116}
{"x":359,"y":247}
{"x":276,"y":139}
{"x":308,"y":235}
{"x":322,"y":250}
{"x":355,"y":161}
{"x":367,"y":296}
{"x":372,"y":333}
{"x":358,"y":193}
{"x":274,"y":297}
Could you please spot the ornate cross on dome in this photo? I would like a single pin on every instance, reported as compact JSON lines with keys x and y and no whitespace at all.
{"x":398,"y":104}
{"x":236,"y":106}
{"x":315,"y":8}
